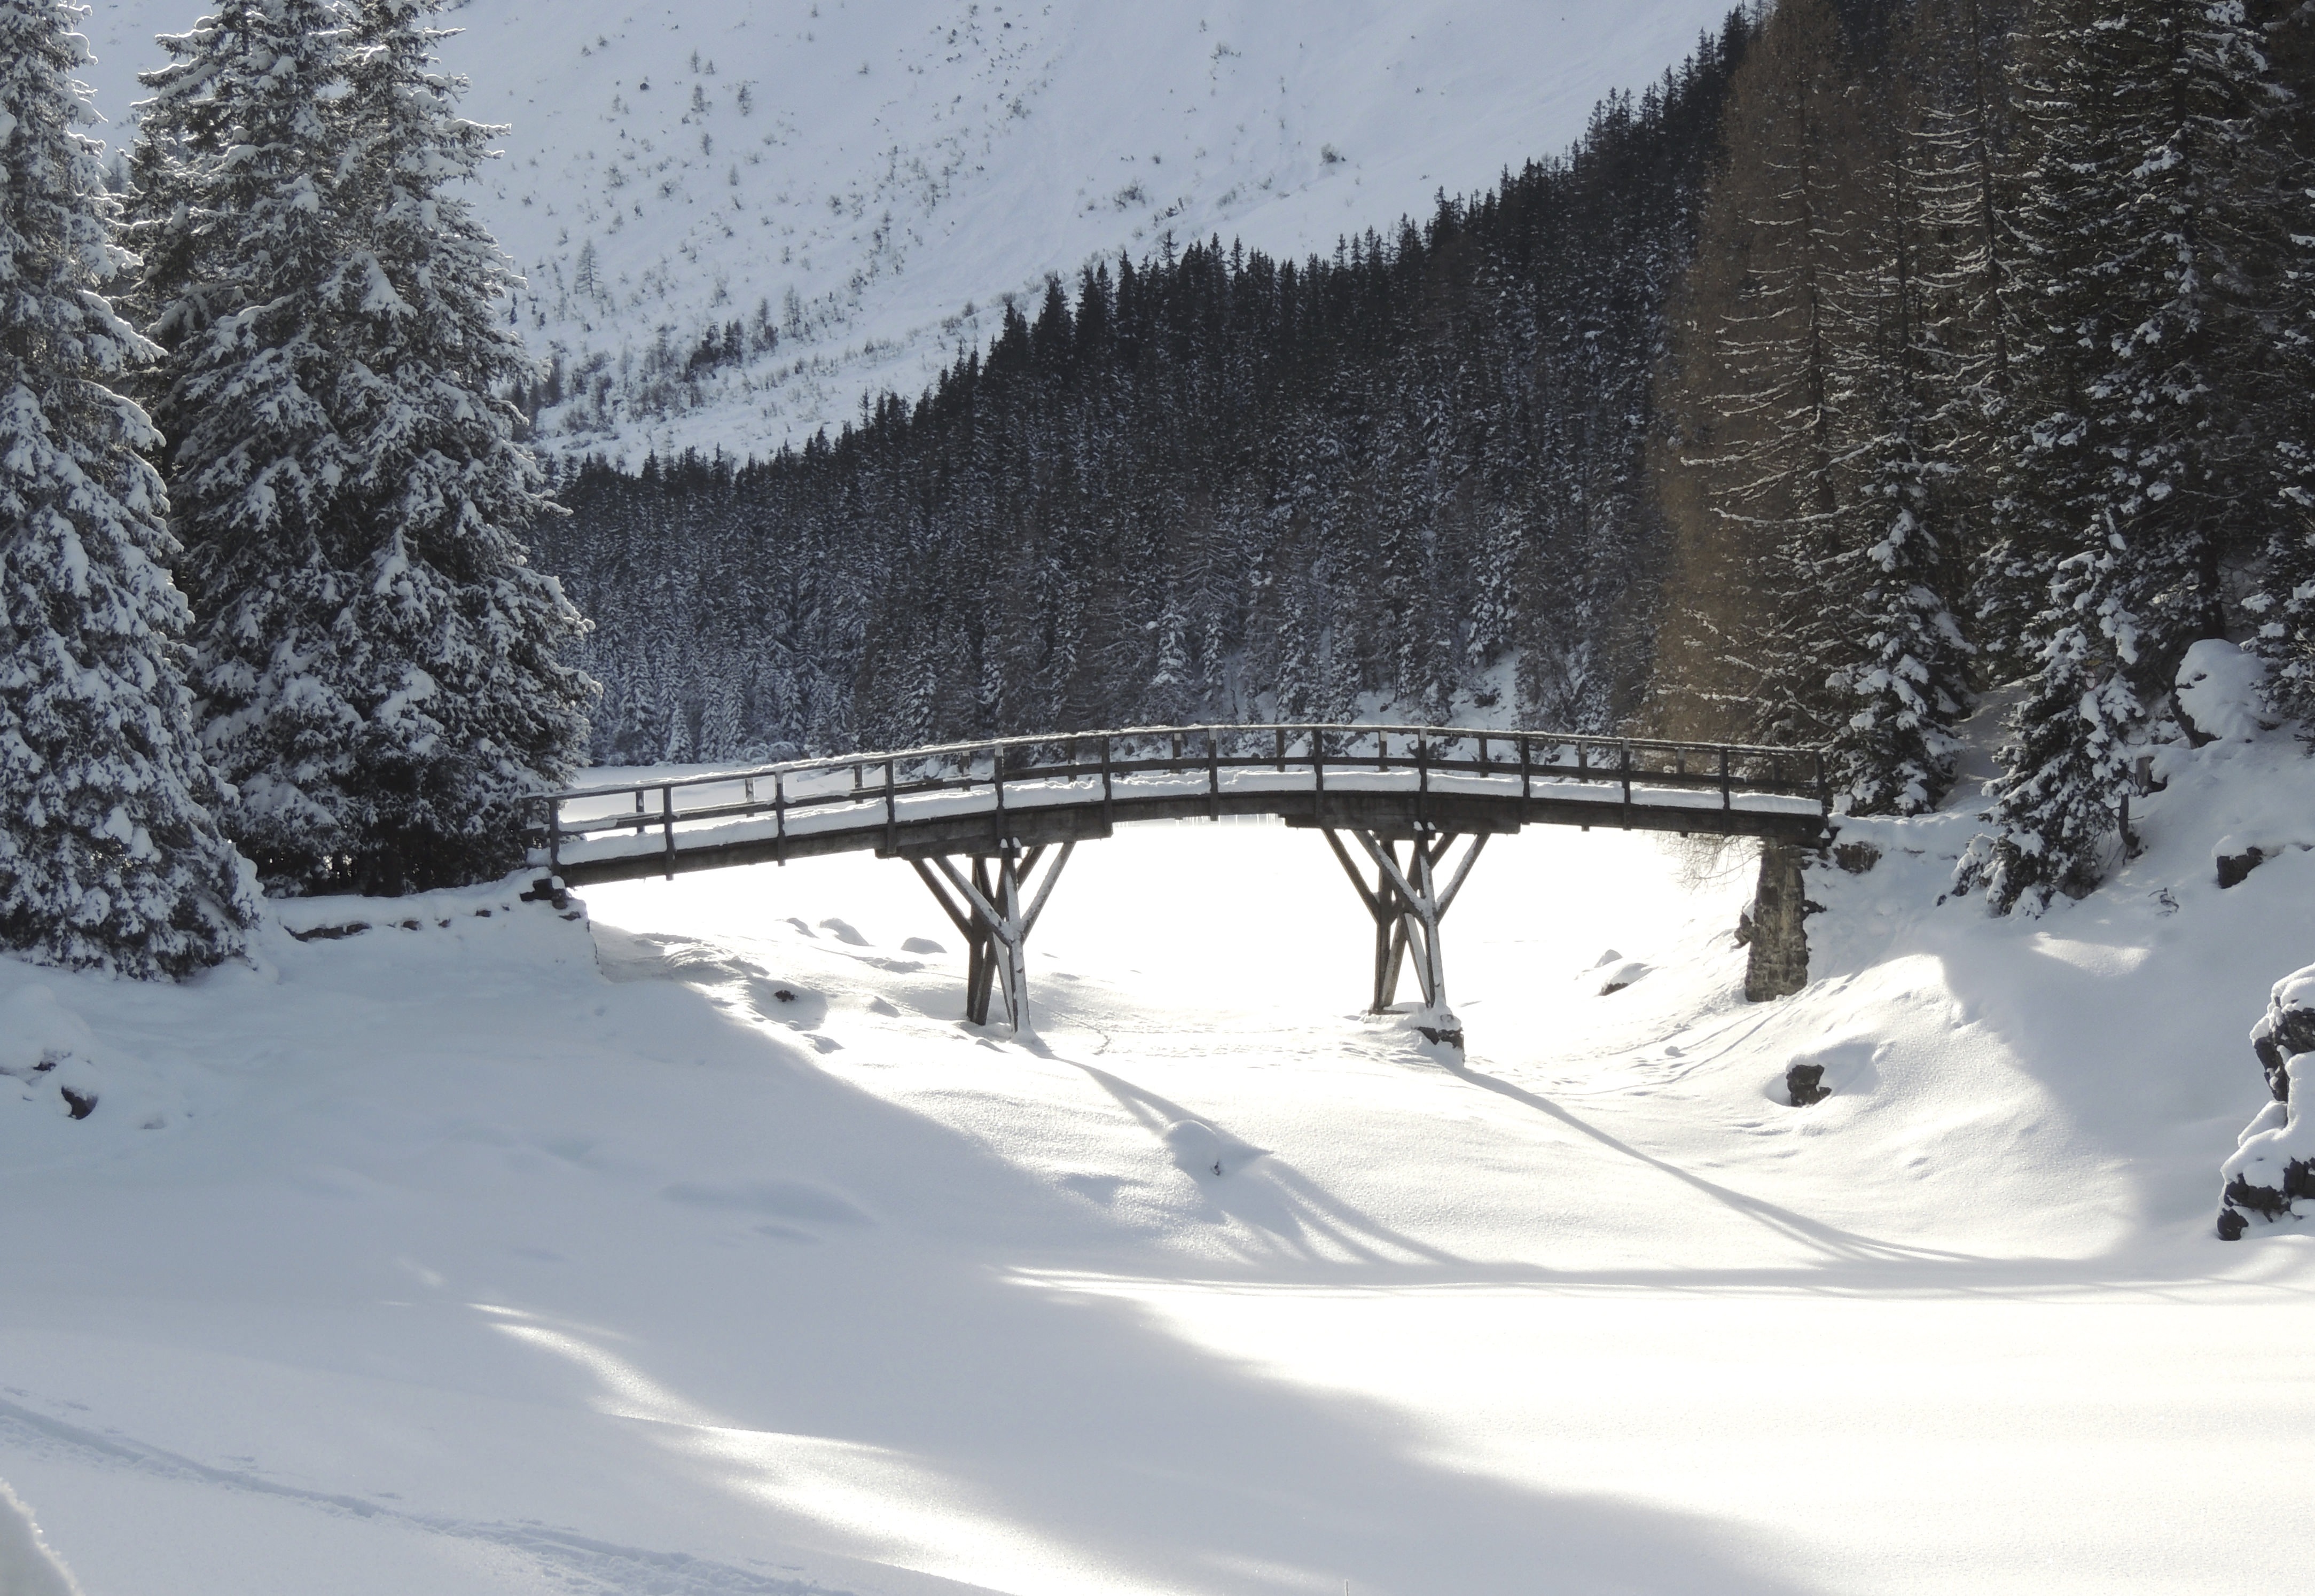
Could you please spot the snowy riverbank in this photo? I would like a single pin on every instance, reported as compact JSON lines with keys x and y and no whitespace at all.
{"x":483,"y":1257}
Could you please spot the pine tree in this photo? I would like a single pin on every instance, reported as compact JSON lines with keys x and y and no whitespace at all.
{"x":2286,"y":603}
{"x":1960,"y":152}
{"x":1901,"y":660}
{"x":2125,"y":477}
{"x":110,"y":853}
{"x":1758,"y":633}
{"x":377,"y":661}
{"x":451,"y":611}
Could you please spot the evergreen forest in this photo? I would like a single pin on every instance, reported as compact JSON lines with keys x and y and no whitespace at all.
{"x":1207,"y":485}
{"x":1884,"y":361}
{"x":1885,"y":354}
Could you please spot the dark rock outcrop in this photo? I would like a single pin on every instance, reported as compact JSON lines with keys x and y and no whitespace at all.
{"x":2235,"y":868}
{"x":2274,"y":1166}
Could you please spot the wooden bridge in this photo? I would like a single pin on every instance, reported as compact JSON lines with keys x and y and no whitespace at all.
{"x":977,"y":820}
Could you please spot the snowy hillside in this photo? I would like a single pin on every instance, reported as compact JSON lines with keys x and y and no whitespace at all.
{"x":466,"y":1255}
{"x":855,"y":186}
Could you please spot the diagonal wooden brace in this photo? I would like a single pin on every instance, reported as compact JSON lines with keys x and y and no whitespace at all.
{"x":988,"y":910}
{"x":1408,"y":907}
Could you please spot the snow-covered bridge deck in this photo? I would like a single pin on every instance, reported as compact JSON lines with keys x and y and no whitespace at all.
{"x":977,"y":797}
{"x":1000,"y":804}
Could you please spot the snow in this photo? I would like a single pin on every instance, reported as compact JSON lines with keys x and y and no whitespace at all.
{"x":27,"y":1566}
{"x":899,"y":167}
{"x":711,"y":1253}
{"x":2219,"y":687}
{"x":2280,"y":1136}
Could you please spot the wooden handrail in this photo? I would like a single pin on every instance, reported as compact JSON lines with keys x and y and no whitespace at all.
{"x":1545,"y":758}
{"x":952,"y":750}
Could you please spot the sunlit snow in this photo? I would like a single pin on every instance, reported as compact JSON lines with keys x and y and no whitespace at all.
{"x":711,"y":1253}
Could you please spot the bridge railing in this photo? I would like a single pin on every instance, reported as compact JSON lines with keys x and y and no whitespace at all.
{"x":862,"y":792}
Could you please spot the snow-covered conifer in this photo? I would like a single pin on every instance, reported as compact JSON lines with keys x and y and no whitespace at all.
{"x":2126,"y":474}
{"x":2285,"y":606}
{"x":1901,"y":661}
{"x":110,"y":853}
{"x":375,"y":657}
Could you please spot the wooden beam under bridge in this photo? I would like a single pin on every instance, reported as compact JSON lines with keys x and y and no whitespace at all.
{"x":1403,"y":794}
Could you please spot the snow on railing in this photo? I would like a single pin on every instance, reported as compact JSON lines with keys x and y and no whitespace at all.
{"x":874,"y":794}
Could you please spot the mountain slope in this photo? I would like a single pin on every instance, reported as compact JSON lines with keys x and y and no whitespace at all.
{"x":858,"y":186}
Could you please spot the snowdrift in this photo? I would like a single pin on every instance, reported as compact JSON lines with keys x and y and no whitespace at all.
{"x":697,"y":1247}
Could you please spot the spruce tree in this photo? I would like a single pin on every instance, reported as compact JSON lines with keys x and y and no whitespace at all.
{"x":2286,"y":603}
{"x":110,"y":853}
{"x":1758,"y":632}
{"x":375,"y":657}
{"x":1905,"y":368}
{"x":2125,"y":475}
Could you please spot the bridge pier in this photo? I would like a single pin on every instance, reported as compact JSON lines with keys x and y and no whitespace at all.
{"x":987,"y":909}
{"x":975,"y":820}
{"x":1775,"y":928}
{"x":1407,"y":908}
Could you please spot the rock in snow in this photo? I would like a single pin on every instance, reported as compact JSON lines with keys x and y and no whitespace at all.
{"x":48,"y":1048}
{"x":2274,"y":1165}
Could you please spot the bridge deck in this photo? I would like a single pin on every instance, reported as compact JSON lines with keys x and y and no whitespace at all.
{"x":983,"y":797}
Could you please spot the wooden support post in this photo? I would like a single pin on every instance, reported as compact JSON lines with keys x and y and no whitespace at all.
{"x":984,"y":977}
{"x":891,"y":811}
{"x":1408,"y":907}
{"x":989,"y":909}
{"x":554,"y":836}
{"x":1108,"y":795}
{"x":779,"y":818}
{"x":667,"y":822}
{"x":1214,"y":774}
{"x":1014,"y":945}
{"x":1390,"y":957}
{"x":997,"y":780}
{"x":1433,"y":971}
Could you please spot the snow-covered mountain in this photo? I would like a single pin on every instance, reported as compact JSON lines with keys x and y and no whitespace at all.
{"x":855,"y":186}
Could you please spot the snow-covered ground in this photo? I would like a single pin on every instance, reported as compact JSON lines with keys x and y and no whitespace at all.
{"x":713,"y":1254}
{"x":871,"y":177}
